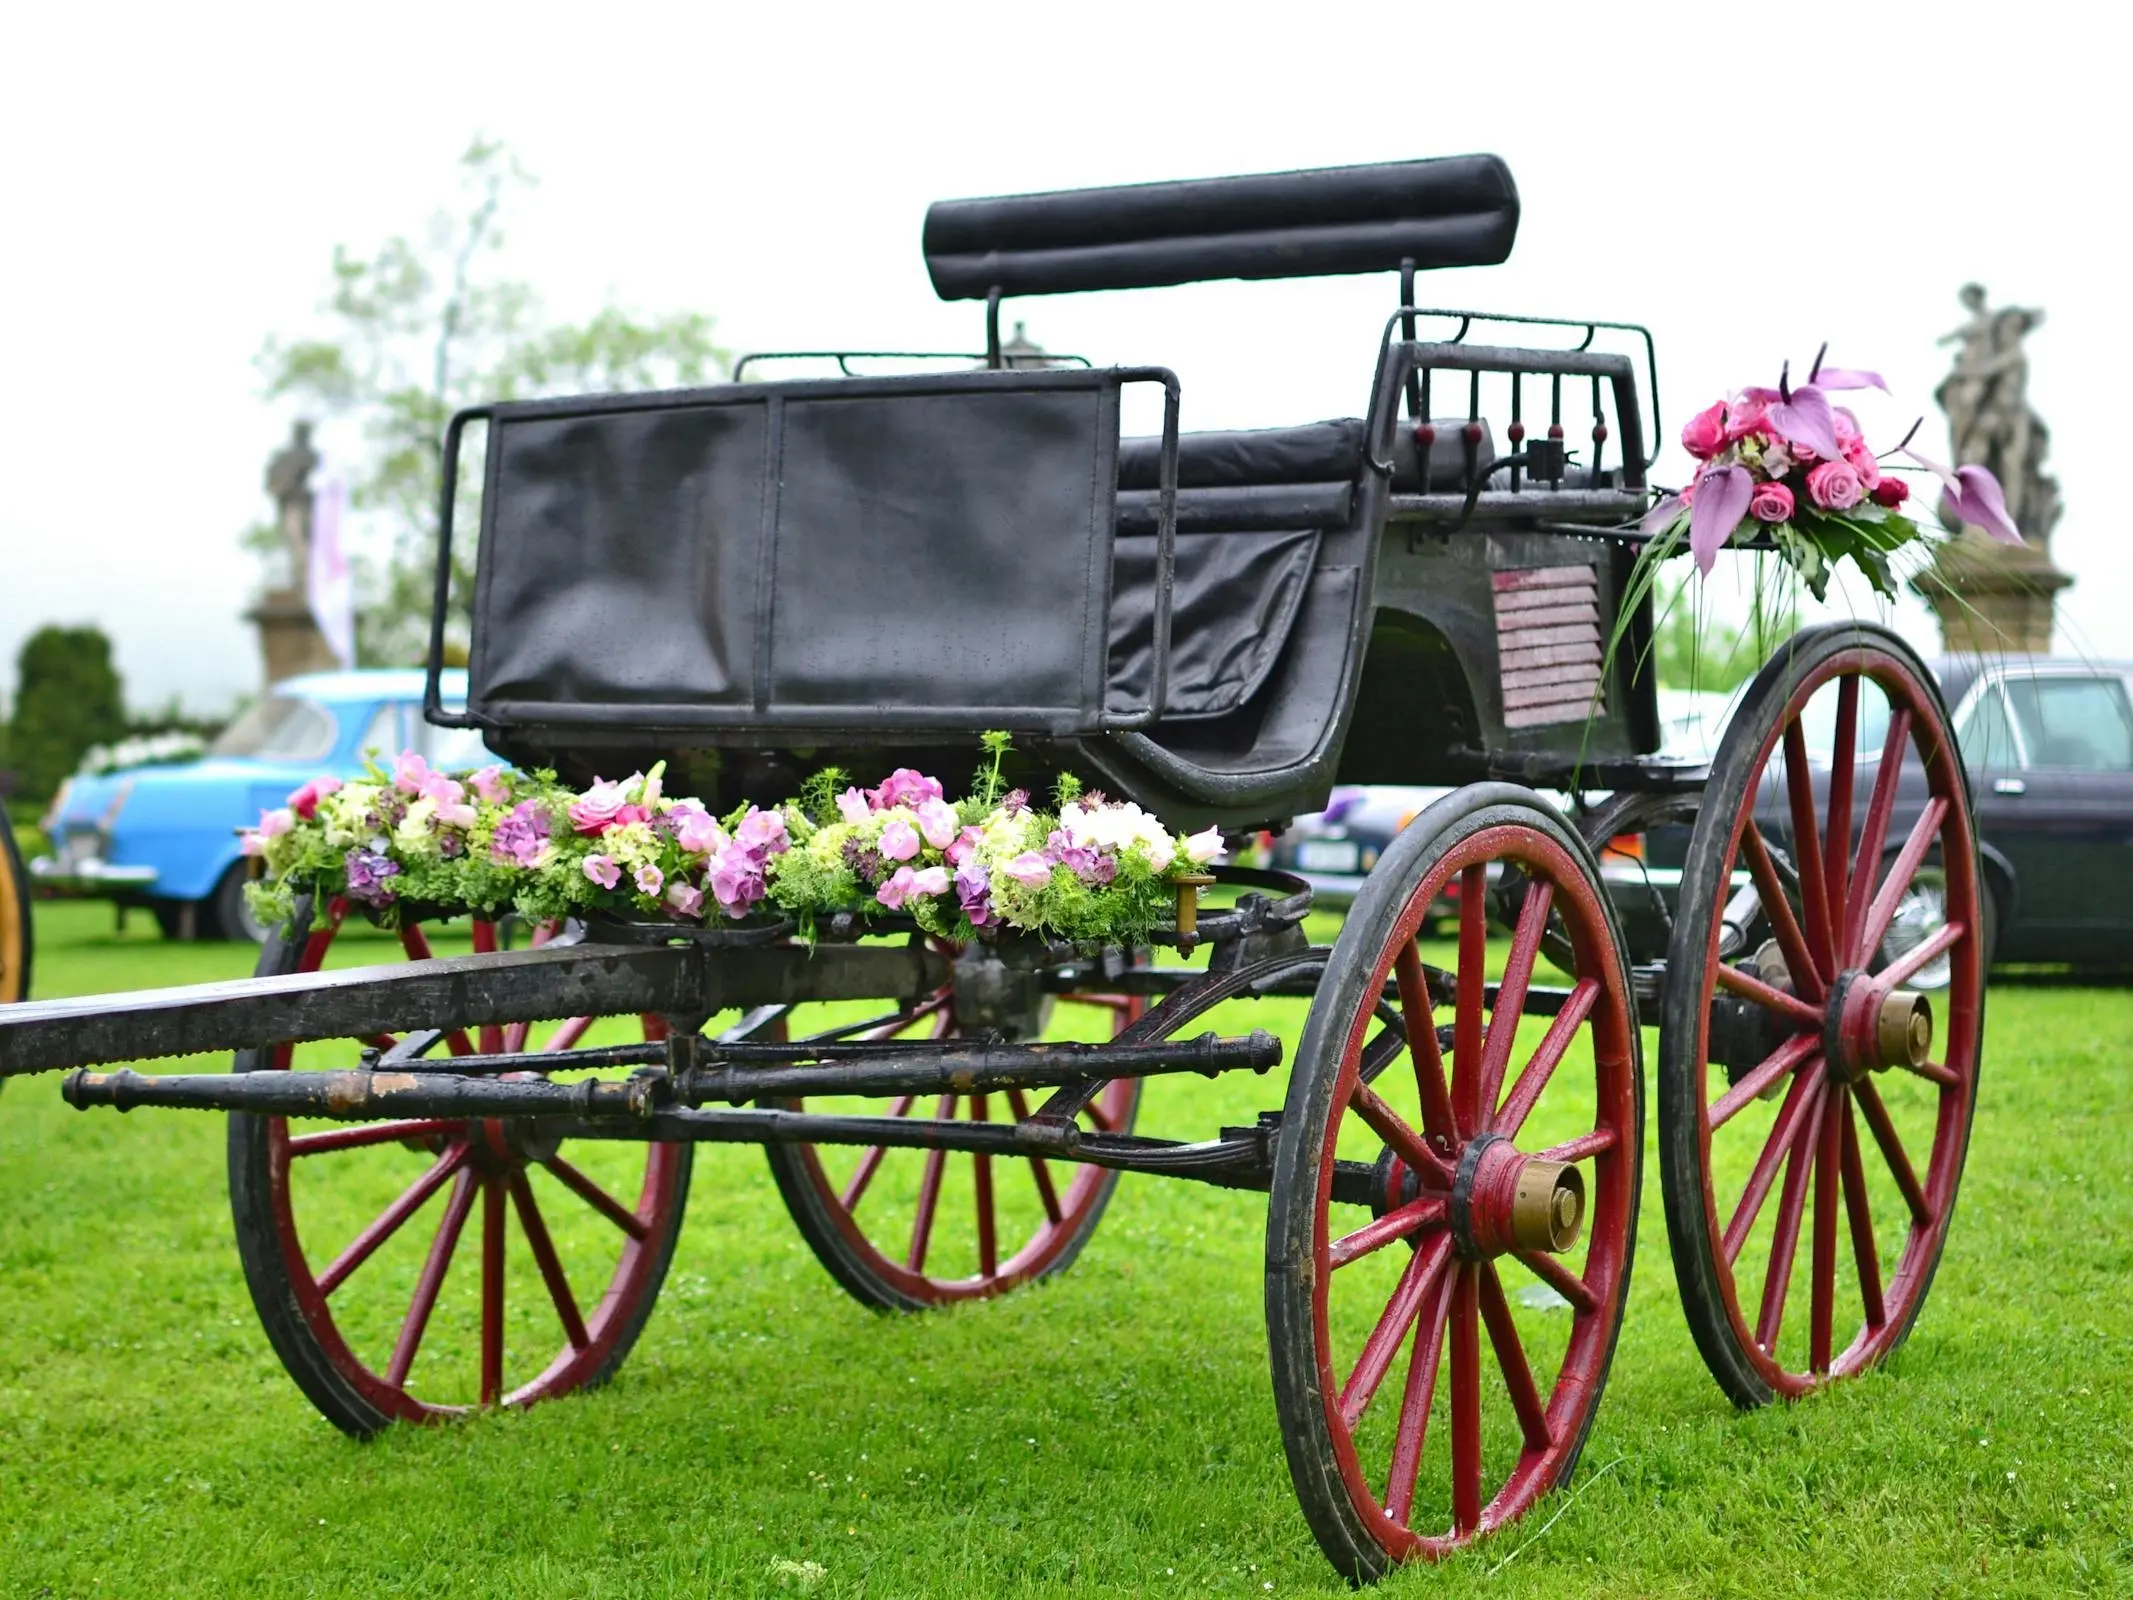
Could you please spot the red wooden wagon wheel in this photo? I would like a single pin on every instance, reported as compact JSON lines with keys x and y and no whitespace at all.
{"x":1491,"y":1209}
{"x":905,"y":1230}
{"x":350,"y":1254}
{"x":1848,"y":1091}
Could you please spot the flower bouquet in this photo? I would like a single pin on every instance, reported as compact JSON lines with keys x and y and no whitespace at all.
{"x":1787,"y":464}
{"x":1090,"y":870}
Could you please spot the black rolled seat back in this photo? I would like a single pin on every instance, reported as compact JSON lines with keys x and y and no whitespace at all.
{"x":928,"y":553}
{"x":1455,"y":211}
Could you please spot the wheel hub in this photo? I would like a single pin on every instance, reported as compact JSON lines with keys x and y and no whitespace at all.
{"x":1872,"y":1028}
{"x":1504,"y":1200}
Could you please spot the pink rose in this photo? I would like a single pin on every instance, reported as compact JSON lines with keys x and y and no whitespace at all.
{"x":304,"y":802}
{"x":649,"y":879}
{"x":632,"y":813}
{"x":489,"y":784}
{"x":1891,"y":492}
{"x":409,"y":772}
{"x":1835,"y":486}
{"x":938,"y":822}
{"x":1846,"y":427}
{"x":603,"y":871}
{"x":1705,"y":434}
{"x":687,"y":901}
{"x":1029,"y":869}
{"x":596,"y":810}
{"x":899,"y":841}
{"x":1863,"y":462}
{"x":1745,"y":417}
{"x":1772,"y":502}
{"x":1203,"y":847}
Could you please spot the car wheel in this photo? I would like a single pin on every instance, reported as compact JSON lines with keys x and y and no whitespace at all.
{"x":228,"y":915}
{"x":1919,"y":915}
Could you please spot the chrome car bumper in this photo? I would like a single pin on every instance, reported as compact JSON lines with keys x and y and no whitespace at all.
{"x":89,"y":877}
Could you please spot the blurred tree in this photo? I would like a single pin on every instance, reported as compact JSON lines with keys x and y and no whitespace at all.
{"x":67,"y":698}
{"x":420,"y":331}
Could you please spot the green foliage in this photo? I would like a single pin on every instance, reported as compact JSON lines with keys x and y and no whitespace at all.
{"x":419,"y":329}
{"x":67,"y":698}
{"x":1692,"y":649}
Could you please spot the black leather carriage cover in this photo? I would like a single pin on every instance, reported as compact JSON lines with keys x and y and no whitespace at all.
{"x":910,"y":553}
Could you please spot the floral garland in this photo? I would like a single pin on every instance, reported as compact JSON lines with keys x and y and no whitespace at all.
{"x":1788,"y":463}
{"x":1093,"y":870}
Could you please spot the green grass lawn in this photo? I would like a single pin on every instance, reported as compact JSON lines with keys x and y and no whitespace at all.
{"x":1110,"y":1431}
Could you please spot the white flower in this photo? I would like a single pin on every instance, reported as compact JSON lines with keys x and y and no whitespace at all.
{"x":1203,"y":847}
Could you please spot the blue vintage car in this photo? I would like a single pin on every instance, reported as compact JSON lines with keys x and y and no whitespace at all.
{"x":164,"y":837}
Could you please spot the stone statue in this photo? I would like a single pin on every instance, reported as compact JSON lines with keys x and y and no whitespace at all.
{"x":289,"y":483}
{"x":1990,"y":422}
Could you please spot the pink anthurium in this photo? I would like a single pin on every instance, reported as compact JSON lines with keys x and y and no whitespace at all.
{"x":1722,"y":497}
{"x":1802,"y":416}
{"x":1973,"y":495}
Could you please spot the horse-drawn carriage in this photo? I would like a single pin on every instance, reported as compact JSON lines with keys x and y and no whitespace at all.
{"x":753,"y":580}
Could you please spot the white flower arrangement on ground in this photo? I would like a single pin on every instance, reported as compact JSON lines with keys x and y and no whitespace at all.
{"x":1093,"y":871}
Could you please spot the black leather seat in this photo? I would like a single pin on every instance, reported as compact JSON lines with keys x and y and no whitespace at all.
{"x":1317,"y":452}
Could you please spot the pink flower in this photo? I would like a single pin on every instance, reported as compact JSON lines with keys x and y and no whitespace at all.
{"x":632,"y":813}
{"x":1863,"y":462}
{"x":899,"y":841}
{"x":1705,"y":434}
{"x":649,"y":879}
{"x":603,"y":871}
{"x":450,"y":798}
{"x":687,"y":901}
{"x":273,"y":824}
{"x":1203,"y":847}
{"x":929,"y":880}
{"x":939,"y":823}
{"x":648,"y":796}
{"x":1845,"y":426}
{"x":1891,"y":492}
{"x":904,"y":787}
{"x":965,"y":842}
{"x":489,"y":784}
{"x":1835,"y":486}
{"x":304,"y":802}
{"x":695,"y":829}
{"x":762,"y":833}
{"x":1029,"y":869}
{"x":852,"y":805}
{"x":736,"y":882}
{"x":409,"y":772}
{"x":1772,"y":502}
{"x":905,"y":885}
{"x":1747,"y":413}
{"x":596,"y":810}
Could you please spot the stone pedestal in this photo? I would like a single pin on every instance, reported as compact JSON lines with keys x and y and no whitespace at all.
{"x":289,"y":641}
{"x":1991,"y":598}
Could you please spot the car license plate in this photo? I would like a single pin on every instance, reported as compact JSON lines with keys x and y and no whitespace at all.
{"x":1327,"y":855}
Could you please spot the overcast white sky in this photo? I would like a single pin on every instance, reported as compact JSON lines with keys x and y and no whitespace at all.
{"x":1748,"y":182}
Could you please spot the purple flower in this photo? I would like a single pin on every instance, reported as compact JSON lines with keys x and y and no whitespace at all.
{"x":736,"y":882}
{"x":602,"y":870}
{"x":1973,"y":496}
{"x":1085,"y":861}
{"x":1017,"y":801}
{"x":865,"y":863}
{"x":904,"y":787}
{"x":973,"y":887}
{"x":521,"y":839}
{"x":368,"y":875}
{"x":1722,"y":498}
{"x":899,"y":840}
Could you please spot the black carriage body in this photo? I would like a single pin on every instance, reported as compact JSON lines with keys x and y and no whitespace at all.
{"x":755,"y":580}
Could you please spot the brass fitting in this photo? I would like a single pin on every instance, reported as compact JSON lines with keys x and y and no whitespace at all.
{"x":1903,"y":1031}
{"x":1547,"y":1206}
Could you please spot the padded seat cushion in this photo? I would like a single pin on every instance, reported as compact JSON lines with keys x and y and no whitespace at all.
{"x":1318,"y":452}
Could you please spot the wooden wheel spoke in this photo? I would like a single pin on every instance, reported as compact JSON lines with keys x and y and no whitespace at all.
{"x":492,"y":1292}
{"x":1801,"y":1099}
{"x":1390,"y":1126}
{"x":1823,"y":1292}
{"x":1935,"y":1072}
{"x":1419,"y":1018}
{"x":1466,"y":1404}
{"x":1398,"y":1223}
{"x":427,"y":1287}
{"x":1511,"y":1360}
{"x":1807,"y":849}
{"x":1749,"y":987}
{"x":929,"y":1193}
{"x":389,"y":1221}
{"x":1855,"y":1208}
{"x":567,"y":1034}
{"x":870,"y":1160}
{"x":1392,"y":1325}
{"x":1843,"y":763}
{"x":1900,"y":874}
{"x":1101,"y":1119}
{"x":598,"y":1198}
{"x":1874,"y":831}
{"x":1583,"y":1148}
{"x":1785,"y":1241}
{"x":1559,"y":1278}
{"x":535,"y":1228}
{"x":1931,"y":948}
{"x":1777,"y":906}
{"x":1796,"y":1054}
{"x":1877,"y":1118}
{"x":1511,"y":997}
{"x":1415,"y":1400}
{"x":1018,"y":1103}
{"x":1473,"y":981}
{"x":366,"y":1134}
{"x":1547,"y":1056}
{"x":988,"y":1219}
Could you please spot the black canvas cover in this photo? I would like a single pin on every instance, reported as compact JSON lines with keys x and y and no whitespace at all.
{"x":931,"y":552}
